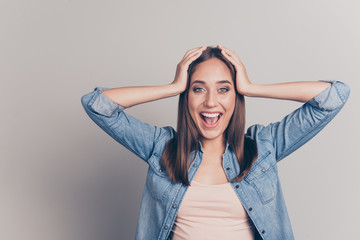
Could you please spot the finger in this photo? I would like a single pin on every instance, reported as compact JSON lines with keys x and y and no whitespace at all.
{"x":196,"y":53}
{"x":190,"y":55}
{"x":230,"y":52}
{"x":191,"y":58}
{"x":231,"y":59}
{"x":193,"y":50}
{"x":226,"y":49}
{"x":227,"y":55}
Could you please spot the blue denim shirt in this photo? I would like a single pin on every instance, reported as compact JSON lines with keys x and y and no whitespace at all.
{"x":259,"y":192}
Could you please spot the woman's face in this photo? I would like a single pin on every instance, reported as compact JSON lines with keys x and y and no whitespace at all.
{"x":211,"y":98}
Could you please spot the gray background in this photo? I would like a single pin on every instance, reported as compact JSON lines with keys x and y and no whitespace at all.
{"x":62,"y":177}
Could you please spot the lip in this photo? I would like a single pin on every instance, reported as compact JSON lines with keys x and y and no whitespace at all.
{"x":211,"y":112}
{"x":206,"y":125}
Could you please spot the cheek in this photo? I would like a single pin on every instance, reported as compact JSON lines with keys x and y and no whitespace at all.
{"x":229,"y":103}
{"x":192,"y":107}
{"x":193,"y":102}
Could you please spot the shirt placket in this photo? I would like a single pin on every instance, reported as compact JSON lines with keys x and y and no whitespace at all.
{"x":176,"y":201}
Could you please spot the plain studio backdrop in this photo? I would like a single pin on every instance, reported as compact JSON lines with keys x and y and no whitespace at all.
{"x":63,"y":178}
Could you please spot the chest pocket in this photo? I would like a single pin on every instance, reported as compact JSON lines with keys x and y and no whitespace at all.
{"x":158,"y":183}
{"x":263,"y":178}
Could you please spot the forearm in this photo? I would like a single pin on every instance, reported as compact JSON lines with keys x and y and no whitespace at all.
{"x":296,"y":91}
{"x":130,"y":96}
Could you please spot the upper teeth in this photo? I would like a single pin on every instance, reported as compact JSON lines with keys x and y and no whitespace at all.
{"x":210,"y":114}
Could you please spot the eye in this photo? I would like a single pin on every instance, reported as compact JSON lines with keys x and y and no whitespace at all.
{"x":197,"y":89}
{"x":223,"y":90}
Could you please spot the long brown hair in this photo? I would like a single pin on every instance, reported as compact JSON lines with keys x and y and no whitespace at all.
{"x":175,"y":159}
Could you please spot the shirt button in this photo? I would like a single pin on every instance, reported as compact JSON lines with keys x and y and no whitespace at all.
{"x":250,"y":209}
{"x":263,"y":231}
{"x":174,"y":206}
{"x":195,"y":165}
{"x":166,"y":227}
{"x":228,"y":168}
{"x":237,"y":186}
{"x":160,"y":170}
{"x":263,"y":170}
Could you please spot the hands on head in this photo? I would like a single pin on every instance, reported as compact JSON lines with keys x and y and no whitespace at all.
{"x":181,"y":76}
{"x":130,"y":96}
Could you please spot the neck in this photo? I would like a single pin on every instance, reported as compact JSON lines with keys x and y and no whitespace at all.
{"x":214,"y":145}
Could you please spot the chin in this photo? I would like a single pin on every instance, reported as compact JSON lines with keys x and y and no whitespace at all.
{"x":211,"y":136}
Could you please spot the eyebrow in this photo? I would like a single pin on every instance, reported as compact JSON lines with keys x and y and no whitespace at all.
{"x":218,"y":82}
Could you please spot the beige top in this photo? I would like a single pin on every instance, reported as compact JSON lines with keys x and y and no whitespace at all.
{"x":212,"y":212}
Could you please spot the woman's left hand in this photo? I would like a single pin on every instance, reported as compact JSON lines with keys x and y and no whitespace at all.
{"x":242,"y":80}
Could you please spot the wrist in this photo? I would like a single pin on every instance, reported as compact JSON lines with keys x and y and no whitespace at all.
{"x":246,"y":89}
{"x":176,"y":89}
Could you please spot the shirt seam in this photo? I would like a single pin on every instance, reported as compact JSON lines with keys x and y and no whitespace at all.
{"x":303,"y":137}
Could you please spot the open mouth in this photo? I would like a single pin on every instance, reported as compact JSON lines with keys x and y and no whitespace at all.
{"x":210,"y":119}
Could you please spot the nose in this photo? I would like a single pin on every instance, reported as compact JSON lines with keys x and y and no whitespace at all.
{"x":210,"y":100}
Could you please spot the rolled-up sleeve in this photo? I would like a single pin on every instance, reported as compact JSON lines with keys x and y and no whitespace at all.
{"x":297,"y":128}
{"x":100,"y":108}
{"x":137,"y":136}
{"x":102,"y":104}
{"x":332,"y":97}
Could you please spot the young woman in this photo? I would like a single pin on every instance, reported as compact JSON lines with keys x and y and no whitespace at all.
{"x":210,"y":179}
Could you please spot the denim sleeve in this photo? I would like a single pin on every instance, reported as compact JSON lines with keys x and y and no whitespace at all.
{"x":135,"y":135}
{"x":297,"y":128}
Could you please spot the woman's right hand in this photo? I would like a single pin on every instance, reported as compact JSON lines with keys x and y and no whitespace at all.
{"x":181,"y":76}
